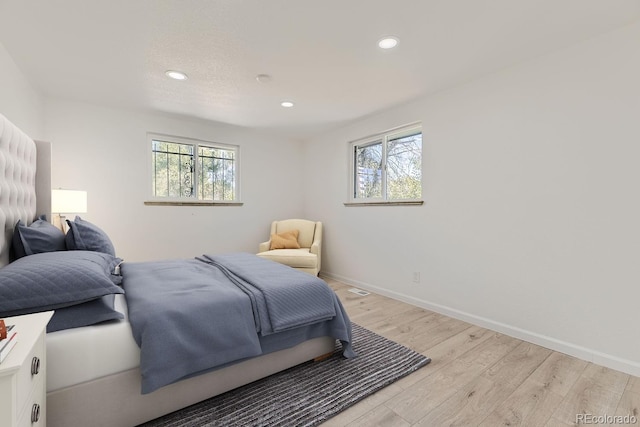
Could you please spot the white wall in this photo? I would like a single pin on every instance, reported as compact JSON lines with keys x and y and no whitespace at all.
{"x":531,"y":221}
{"x":20,"y":102}
{"x":104,"y":151}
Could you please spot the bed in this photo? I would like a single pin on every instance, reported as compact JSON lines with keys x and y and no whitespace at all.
{"x":94,"y":372}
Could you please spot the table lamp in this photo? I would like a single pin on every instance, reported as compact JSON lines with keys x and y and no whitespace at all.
{"x":67,"y":202}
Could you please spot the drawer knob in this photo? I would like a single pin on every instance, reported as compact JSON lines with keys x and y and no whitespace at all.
{"x":35,"y":366}
{"x":35,"y":413}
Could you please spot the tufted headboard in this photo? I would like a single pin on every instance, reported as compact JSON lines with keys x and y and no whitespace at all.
{"x":25,"y":181}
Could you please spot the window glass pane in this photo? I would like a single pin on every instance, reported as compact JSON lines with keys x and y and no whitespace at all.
{"x":217,"y":173}
{"x":368,"y":174}
{"x":172,"y":169}
{"x":404,"y":167}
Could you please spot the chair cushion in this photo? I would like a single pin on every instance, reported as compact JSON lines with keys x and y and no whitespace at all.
{"x":305,"y":227}
{"x":296,"y":258}
{"x":286,"y":240}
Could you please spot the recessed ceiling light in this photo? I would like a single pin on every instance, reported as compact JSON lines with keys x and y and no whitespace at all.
{"x":177,"y":75}
{"x":263,"y":78}
{"x":388,"y":42}
{"x":287,"y":104}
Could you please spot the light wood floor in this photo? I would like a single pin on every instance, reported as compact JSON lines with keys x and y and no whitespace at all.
{"x":478,"y":377}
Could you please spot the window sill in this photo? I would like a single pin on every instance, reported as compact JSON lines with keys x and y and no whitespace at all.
{"x":398,"y":203}
{"x":188,"y":203}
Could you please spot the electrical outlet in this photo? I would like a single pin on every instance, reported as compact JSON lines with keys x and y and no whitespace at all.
{"x":416,"y":277}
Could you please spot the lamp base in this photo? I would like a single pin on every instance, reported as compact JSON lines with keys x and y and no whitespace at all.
{"x":60,"y":222}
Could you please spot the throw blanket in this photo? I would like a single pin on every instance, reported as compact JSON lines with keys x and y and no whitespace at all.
{"x":283,"y":297}
{"x":190,"y":316}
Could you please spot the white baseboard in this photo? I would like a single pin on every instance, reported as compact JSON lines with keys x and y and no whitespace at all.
{"x":590,"y":355}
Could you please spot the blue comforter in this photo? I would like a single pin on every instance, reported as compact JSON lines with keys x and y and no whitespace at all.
{"x":191,"y":316}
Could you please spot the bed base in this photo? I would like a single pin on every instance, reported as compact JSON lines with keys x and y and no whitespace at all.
{"x":323,"y":357}
{"x":115,"y":400}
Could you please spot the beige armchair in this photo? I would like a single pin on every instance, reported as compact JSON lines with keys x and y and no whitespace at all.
{"x":307,"y":258}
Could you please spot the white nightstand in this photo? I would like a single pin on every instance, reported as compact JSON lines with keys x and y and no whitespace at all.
{"x":23,"y":398}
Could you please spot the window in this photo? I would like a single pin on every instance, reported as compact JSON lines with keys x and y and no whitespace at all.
{"x":186,"y":170}
{"x":387,"y":167}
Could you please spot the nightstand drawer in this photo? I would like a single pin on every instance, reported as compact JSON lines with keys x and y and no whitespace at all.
{"x":33,"y":413}
{"x":30,"y":374}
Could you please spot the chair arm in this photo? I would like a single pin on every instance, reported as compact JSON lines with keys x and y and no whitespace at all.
{"x":264,"y":246}
{"x":315,"y":248}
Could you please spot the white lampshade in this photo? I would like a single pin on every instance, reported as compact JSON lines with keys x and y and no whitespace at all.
{"x":68,"y":201}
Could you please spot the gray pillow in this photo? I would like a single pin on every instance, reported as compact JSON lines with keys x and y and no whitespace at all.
{"x":40,"y":236}
{"x":84,"y":314}
{"x":85,"y":236}
{"x":52,"y":280}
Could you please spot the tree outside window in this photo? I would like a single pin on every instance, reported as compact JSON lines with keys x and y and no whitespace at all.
{"x":388,"y":167}
{"x":184,"y":169}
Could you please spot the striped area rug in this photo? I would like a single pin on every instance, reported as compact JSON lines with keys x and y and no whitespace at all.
{"x":307,"y":394}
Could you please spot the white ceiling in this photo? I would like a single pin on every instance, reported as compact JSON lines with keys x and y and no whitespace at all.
{"x":321,"y":54}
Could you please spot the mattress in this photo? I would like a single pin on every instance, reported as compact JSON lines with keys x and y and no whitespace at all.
{"x":78,"y":355}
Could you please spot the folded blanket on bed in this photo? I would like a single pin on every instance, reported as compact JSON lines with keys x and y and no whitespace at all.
{"x":285,"y":298}
{"x":189,"y":316}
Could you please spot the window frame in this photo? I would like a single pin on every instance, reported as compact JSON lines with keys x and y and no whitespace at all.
{"x":152,"y":199}
{"x":383,"y":138}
